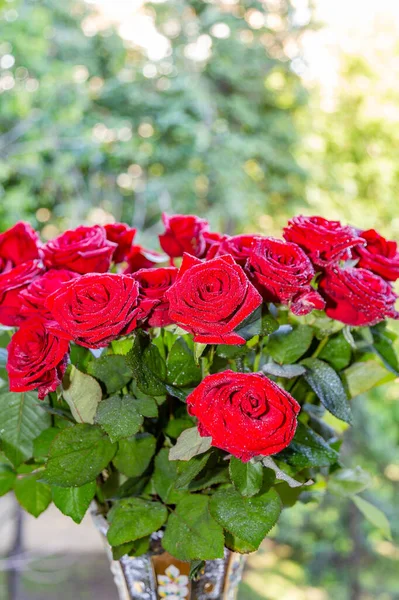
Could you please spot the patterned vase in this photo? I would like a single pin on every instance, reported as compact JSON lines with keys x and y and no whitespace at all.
{"x":157,"y":575}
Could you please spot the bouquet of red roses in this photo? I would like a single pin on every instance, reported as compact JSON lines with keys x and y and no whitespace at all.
{"x":196,"y":391}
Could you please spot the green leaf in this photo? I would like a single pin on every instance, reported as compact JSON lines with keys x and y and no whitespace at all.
{"x":147,"y":407}
{"x":74,"y":501}
{"x":41,"y":444}
{"x":286,"y":371}
{"x":235,"y":544}
{"x":182,"y":370}
{"x":384,"y":348}
{"x":347,"y":482}
{"x":135,"y":454}
{"x":246,"y":477}
{"x":82,"y":394}
{"x":7,"y":479}
{"x":148,"y":366}
{"x":188,"y":470}
{"x":308,"y":449}
{"x":366,"y":375}
{"x":286,"y":346}
{"x":22,"y":420}
{"x":32,"y":495}
{"x":119,"y":417}
{"x":122,"y":346}
{"x":122,"y":550}
{"x":136,"y":548}
{"x":77,"y":455}
{"x":189,"y":444}
{"x":374,"y":515}
{"x":211,"y":477}
{"x":191,"y":533}
{"x":337,"y":352}
{"x":198,"y":351}
{"x":165,"y":476}
{"x":112,"y":370}
{"x":196,"y":569}
{"x":175,"y":427}
{"x":269,"y":324}
{"x":250,"y":519}
{"x":328,"y":387}
{"x":133,"y":518}
{"x":252,"y":325}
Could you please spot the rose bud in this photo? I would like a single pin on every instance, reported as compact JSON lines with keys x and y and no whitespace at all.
{"x":282,"y":272}
{"x":183,"y":233}
{"x":33,"y":297}
{"x":11,"y":285}
{"x":141,"y":258}
{"x":122,"y":235}
{"x":37,"y":359}
{"x":18,"y":245}
{"x":238,"y":246}
{"x":211,"y":299}
{"x":245,"y":414}
{"x":378,"y":255}
{"x":83,"y":250}
{"x":153,"y":284}
{"x":325,"y":242}
{"x":357,"y":296}
{"x":94,"y":309}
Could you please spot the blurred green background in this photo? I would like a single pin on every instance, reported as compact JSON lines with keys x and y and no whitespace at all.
{"x":245,"y":113}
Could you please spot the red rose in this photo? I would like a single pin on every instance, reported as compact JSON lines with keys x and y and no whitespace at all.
{"x":378,"y":255}
{"x":153,"y":283}
{"x":141,"y":258}
{"x":95,"y":309}
{"x":357,"y":296}
{"x":213,"y":240}
{"x":33,"y":297}
{"x":18,"y":245}
{"x":210,"y":299}
{"x":246,"y":414}
{"x":238,"y":246}
{"x":326,"y":242}
{"x":282,"y":272}
{"x":11,"y":285}
{"x":183,"y":233}
{"x":122,"y":235}
{"x":83,"y":250}
{"x":36,"y":358}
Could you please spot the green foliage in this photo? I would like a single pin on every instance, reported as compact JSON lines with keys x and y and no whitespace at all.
{"x":119,"y":417}
{"x":287,"y":345}
{"x":132,"y":518}
{"x":308,"y":449}
{"x":182,"y":369}
{"x":189,"y":444}
{"x":77,"y":455}
{"x":134,"y":454}
{"x":32,"y":495}
{"x":22,"y":420}
{"x":147,"y":365}
{"x":250,"y":519}
{"x":82,"y":393}
{"x":112,"y":370}
{"x":7,"y":478}
{"x":74,"y":501}
{"x":246,"y":477}
{"x":325,"y":382}
{"x":191,"y":533}
{"x":165,"y":478}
